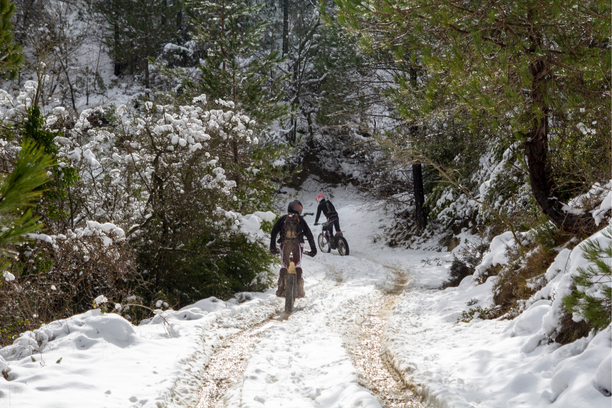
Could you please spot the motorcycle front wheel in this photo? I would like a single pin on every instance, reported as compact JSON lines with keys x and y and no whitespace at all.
{"x":324,"y":245}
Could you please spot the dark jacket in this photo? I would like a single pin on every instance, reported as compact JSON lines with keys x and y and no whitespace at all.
{"x":278,"y":228}
{"x":326,"y":207}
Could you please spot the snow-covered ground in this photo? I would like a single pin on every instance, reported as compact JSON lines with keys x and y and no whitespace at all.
{"x":302,"y":361}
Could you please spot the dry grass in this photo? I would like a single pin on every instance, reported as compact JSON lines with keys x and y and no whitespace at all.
{"x":55,"y":281}
{"x":518,"y":280}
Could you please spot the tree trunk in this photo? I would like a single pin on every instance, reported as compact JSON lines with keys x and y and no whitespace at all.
{"x":309,"y":119}
{"x":285,"y":27}
{"x":147,"y":77}
{"x":64,"y":67}
{"x":536,"y":150}
{"x":419,"y":197}
{"x":116,"y":63}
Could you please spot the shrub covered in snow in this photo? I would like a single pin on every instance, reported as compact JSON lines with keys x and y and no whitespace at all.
{"x":465,"y":260}
{"x":169,"y":185}
{"x":179,"y":178}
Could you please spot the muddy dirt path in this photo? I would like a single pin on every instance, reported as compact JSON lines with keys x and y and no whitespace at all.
{"x":363,"y":342}
{"x":228,"y":363}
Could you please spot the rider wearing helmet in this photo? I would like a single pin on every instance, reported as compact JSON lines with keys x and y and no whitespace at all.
{"x":326,"y":207}
{"x":292,"y":229}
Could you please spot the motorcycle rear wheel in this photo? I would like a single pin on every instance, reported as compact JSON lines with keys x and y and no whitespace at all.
{"x":342,"y":245}
{"x":290,"y":292}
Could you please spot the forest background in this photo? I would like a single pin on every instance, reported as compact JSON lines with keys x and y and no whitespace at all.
{"x":139,"y":137}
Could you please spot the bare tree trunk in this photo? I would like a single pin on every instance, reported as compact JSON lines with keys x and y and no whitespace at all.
{"x":309,"y":119}
{"x":285,"y":27}
{"x":64,"y":67}
{"x":419,"y":197}
{"x":536,"y":151}
{"x":147,"y":78}
{"x":116,"y":63}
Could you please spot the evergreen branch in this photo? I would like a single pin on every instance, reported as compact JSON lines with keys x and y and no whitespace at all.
{"x":21,"y":190}
{"x":20,"y":187}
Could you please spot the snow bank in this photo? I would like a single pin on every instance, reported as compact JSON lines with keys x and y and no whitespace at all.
{"x":105,"y":360}
{"x":494,"y":363}
{"x":497,"y":255}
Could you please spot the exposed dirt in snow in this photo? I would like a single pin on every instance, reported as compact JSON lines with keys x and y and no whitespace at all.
{"x":364,"y":345}
{"x":362,"y":342}
{"x":227,"y":365}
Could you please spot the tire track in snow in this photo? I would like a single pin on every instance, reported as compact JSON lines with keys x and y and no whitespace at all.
{"x":227,"y":364}
{"x":364,"y":346}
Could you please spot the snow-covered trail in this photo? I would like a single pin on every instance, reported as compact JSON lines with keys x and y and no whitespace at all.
{"x":327,"y":353}
{"x":228,"y":364}
{"x":299,"y":361}
{"x":356,"y":322}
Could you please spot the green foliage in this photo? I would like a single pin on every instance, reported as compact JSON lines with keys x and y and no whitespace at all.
{"x":138,"y":30}
{"x":11,"y":57}
{"x":63,"y":176}
{"x":33,"y":128}
{"x":11,"y":330}
{"x":549,"y":236}
{"x":592,"y":297}
{"x":201,"y":271}
{"x":576,"y":150}
{"x":529,"y":72}
{"x":19,"y":191}
{"x":486,"y":313}
{"x":232,"y":69}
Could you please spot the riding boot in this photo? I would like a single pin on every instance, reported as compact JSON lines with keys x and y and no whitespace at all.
{"x":280,"y":292}
{"x":300,"y":286}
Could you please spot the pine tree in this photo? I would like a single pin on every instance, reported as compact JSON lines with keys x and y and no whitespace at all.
{"x":18,"y":192}
{"x":138,"y":30}
{"x":592,"y":297}
{"x":55,"y":206}
{"x":526,"y":70}
{"x":11,"y":57}
{"x":232,"y":69}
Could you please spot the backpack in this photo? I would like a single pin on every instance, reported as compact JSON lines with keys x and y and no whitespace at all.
{"x":291,"y":228}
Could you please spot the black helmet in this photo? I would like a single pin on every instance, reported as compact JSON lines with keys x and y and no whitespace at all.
{"x":295,"y":207}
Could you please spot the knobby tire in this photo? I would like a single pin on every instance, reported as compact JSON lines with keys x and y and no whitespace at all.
{"x":343,"y":247}
{"x":324,"y":244}
{"x":290,"y":290}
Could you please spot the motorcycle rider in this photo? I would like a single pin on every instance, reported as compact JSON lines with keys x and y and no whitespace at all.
{"x":327,"y":208}
{"x":292,"y":228}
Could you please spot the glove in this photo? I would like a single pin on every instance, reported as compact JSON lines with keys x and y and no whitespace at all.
{"x":311,"y":253}
{"x":274,"y":251}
